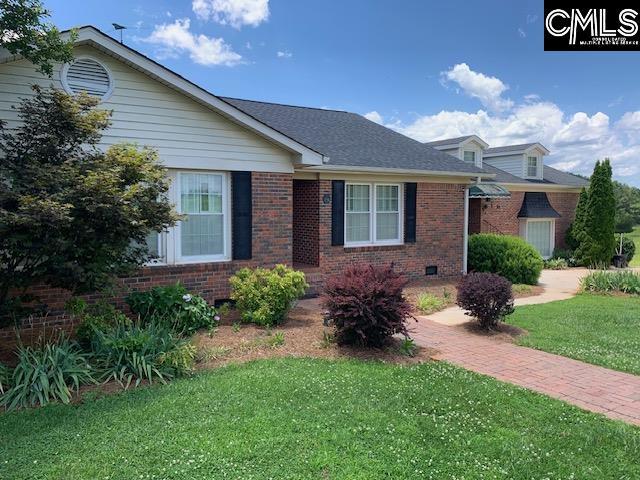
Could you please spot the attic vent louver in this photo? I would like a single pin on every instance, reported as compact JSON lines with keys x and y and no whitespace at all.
{"x":87,"y":75}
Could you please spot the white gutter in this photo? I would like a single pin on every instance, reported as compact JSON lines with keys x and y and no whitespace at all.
{"x":465,"y":232}
{"x":393,"y":171}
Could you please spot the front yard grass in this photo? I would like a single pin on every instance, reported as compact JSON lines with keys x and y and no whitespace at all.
{"x":635,"y":236}
{"x":599,"y":329}
{"x":320,"y":419}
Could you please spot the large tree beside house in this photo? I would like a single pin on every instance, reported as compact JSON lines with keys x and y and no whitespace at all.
{"x":71,"y":215}
{"x":24,"y":31}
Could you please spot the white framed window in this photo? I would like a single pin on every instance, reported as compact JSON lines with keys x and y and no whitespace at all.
{"x":204,"y":232}
{"x":541,"y":233}
{"x":373,"y":214}
{"x":532,"y":166}
{"x":156,"y":243}
{"x":470,"y":157}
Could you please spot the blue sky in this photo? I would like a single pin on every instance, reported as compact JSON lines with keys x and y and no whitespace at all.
{"x":429,"y":69}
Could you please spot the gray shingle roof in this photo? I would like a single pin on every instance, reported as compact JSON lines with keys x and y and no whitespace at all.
{"x":448,"y":141}
{"x":349,"y":139}
{"x":551,"y":176}
{"x":508,"y":148}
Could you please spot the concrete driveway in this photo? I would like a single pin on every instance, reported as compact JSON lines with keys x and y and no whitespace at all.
{"x":558,"y":285}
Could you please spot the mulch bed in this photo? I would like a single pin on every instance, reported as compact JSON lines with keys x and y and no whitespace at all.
{"x":304,"y":336}
{"x":503,"y":332}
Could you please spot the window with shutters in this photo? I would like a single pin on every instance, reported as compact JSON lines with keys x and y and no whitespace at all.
{"x":373,"y":214}
{"x":88,"y":75}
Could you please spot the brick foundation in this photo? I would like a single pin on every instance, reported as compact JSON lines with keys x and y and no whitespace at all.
{"x":272,"y":197}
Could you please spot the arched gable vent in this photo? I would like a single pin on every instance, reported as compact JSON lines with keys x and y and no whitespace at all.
{"x":87,"y":75}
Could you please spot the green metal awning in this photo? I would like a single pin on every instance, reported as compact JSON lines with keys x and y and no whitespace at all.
{"x":488,"y":190}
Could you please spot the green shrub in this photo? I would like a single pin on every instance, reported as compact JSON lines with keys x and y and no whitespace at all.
{"x":556,"y":264}
{"x":628,"y":247}
{"x":5,"y":378}
{"x":185,"y":313}
{"x":140,"y":351}
{"x":626,"y":281}
{"x":265,"y":296}
{"x":430,"y":303}
{"x":508,"y":256}
{"x":46,"y":373}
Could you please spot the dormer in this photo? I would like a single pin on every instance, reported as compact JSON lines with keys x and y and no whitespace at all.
{"x":524,"y":160}
{"x":469,"y":148}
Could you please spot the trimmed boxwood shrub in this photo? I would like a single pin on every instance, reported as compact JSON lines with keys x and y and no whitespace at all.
{"x":366,"y":306}
{"x":487,"y":297}
{"x":505,"y":255}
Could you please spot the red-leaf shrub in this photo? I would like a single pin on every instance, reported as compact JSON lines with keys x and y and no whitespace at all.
{"x":366,"y":306}
{"x":486,"y":296}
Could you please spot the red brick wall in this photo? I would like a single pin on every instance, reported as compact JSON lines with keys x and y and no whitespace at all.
{"x":501,"y":215}
{"x":272,"y":240}
{"x":439,"y":234}
{"x":306,"y":215}
{"x":475,"y":215}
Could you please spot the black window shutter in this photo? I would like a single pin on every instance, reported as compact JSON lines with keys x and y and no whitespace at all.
{"x":241,"y":215}
{"x":337,"y":212}
{"x":410,"y":190}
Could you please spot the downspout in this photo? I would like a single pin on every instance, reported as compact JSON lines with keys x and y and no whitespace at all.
{"x":465,"y":231}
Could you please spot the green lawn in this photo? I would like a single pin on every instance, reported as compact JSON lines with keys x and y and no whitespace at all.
{"x":598,"y":329}
{"x":635,"y":236}
{"x":319,"y":419}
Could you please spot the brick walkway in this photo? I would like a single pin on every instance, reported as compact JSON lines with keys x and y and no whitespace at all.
{"x":614,"y":394}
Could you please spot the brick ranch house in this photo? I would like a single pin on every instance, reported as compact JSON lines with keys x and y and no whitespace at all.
{"x":262,"y":183}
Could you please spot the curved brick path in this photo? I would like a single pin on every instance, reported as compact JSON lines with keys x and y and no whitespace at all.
{"x":614,"y":394}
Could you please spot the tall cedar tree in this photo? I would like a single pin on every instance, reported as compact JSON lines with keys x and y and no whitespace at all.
{"x":24,"y":31}
{"x":597,"y":244}
{"x":72,"y":216}
{"x":576,"y":230}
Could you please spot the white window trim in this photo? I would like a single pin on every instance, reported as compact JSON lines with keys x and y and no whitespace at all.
{"x":372,"y":216}
{"x":226,"y":211}
{"x":162,"y":251}
{"x":65,"y":69}
{"x":552,"y":233}
{"x":526,"y":166}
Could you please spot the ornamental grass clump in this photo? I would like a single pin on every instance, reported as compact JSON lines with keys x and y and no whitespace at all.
{"x":603,"y":281}
{"x":487,"y":297}
{"x":46,"y":373}
{"x":366,"y":306}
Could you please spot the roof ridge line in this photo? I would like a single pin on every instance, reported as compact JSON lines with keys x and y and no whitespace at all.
{"x":288,"y":105}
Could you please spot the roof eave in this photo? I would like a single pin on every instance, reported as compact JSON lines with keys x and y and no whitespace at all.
{"x":303,"y":155}
{"x":396,"y":171}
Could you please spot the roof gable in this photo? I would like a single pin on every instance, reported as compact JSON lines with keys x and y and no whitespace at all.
{"x":89,"y":35}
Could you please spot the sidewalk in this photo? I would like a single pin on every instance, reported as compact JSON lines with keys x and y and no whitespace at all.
{"x":558,"y":285}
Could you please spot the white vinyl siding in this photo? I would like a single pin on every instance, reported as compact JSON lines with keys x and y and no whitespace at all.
{"x":509,"y":163}
{"x":186,"y":133}
{"x":540,"y":233}
{"x":373,"y":214}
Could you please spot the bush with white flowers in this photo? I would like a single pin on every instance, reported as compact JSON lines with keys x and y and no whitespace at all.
{"x":174,"y":306}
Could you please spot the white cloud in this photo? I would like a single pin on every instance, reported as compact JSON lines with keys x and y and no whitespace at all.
{"x":374,"y":117}
{"x":522,"y":33}
{"x":236,"y":13}
{"x":487,"y":89}
{"x":576,"y":140}
{"x":532,"y":18}
{"x":176,"y":38}
{"x":284,"y":54}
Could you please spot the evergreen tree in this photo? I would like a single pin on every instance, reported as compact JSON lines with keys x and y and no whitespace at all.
{"x":597,"y":242}
{"x":576,"y":229}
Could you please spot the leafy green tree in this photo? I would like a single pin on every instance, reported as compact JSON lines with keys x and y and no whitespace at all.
{"x":597,"y":243}
{"x":71,"y":215}
{"x":627,"y":203}
{"x":576,"y":229}
{"x":24,"y":31}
